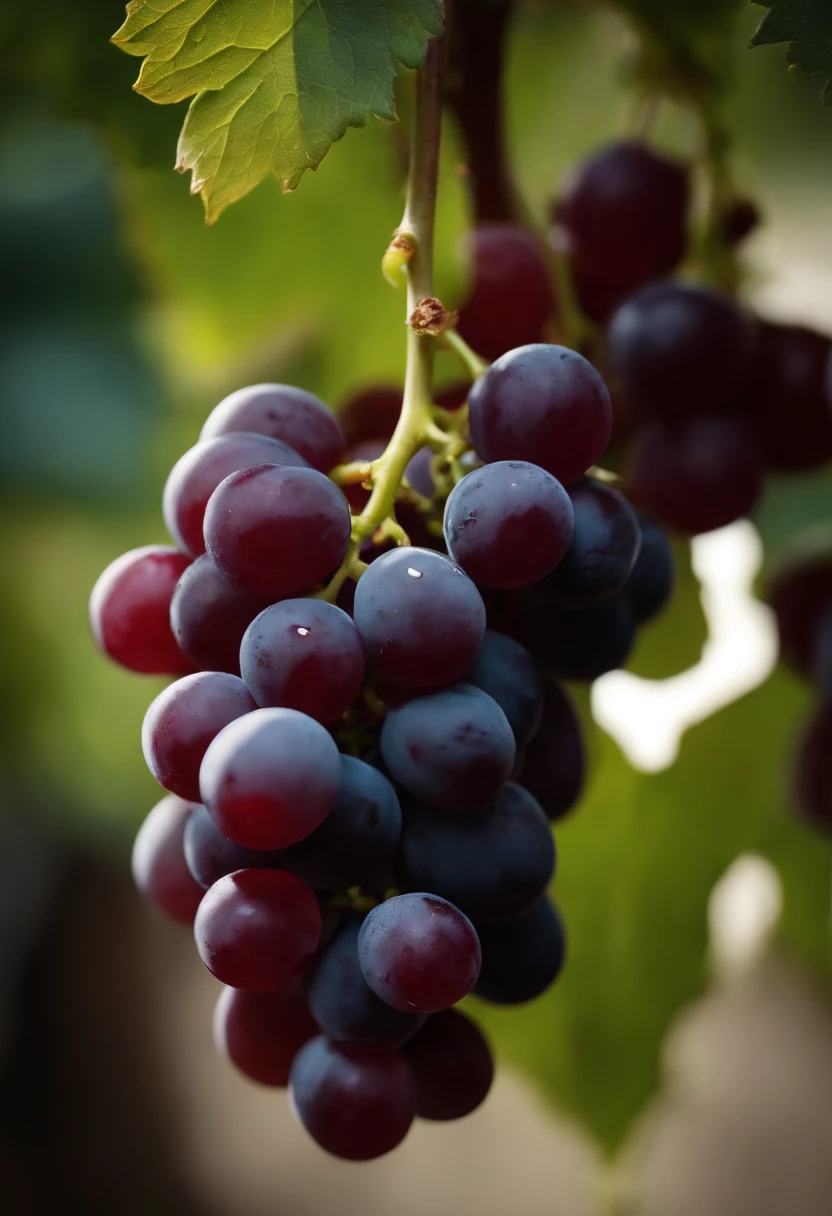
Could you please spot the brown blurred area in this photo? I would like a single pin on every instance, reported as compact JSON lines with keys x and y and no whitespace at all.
{"x":113,"y":1100}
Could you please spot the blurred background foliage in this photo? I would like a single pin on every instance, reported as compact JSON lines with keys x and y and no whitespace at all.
{"x":124,"y":320}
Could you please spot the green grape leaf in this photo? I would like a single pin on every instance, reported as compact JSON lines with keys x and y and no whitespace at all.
{"x":638,"y":860}
{"x":806,"y":25}
{"x":275,"y":83}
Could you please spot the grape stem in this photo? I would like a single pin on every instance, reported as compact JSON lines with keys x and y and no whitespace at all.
{"x":415,"y":422}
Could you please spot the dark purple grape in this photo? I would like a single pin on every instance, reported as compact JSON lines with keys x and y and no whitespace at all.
{"x":371,"y":413}
{"x":270,"y":779}
{"x":506,"y":671}
{"x":555,"y":765}
{"x":508,"y":524}
{"x":544,"y":404}
{"x":281,"y":412}
{"x":419,"y":953}
{"x":800,"y":594}
{"x":276,"y":530}
{"x":787,"y":399}
{"x":209,"y":615}
{"x":452,"y":749}
{"x":604,"y":548}
{"x":511,"y":296}
{"x":130,"y":611}
{"x":453,"y":1066}
{"x":812,"y":770}
{"x":420,"y":617}
{"x":418,"y":474}
{"x":357,"y":842}
{"x":651,"y":581}
{"x":491,"y":865}
{"x":342,"y":1002}
{"x":678,"y":350}
{"x":521,"y":957}
{"x":356,"y":1100}
{"x":580,"y":644}
{"x":822,"y":665}
{"x":303,"y":654}
{"x":209,"y":856}
{"x":160,"y":872}
{"x":623,"y":212}
{"x":257,"y":929}
{"x":183,"y":720}
{"x":697,"y":475}
{"x":197,"y":474}
{"x":262,"y":1032}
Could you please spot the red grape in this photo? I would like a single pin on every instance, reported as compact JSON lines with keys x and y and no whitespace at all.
{"x":511,"y":296}
{"x":209,"y":615}
{"x":555,"y":763}
{"x":210,"y":856}
{"x":281,"y":412}
{"x":262,"y":1032}
{"x":277,"y":530}
{"x":130,"y":610}
{"x":257,"y":929}
{"x":159,"y":868}
{"x":453,"y":1066}
{"x":603,"y":551}
{"x":800,"y":594}
{"x":787,"y":399}
{"x":182,"y":721}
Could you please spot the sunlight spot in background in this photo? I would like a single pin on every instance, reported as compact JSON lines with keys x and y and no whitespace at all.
{"x":647,"y":718}
{"x":742,"y":912}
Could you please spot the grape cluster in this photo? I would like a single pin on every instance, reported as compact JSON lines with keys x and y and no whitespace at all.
{"x":801,"y":597}
{"x":359,"y":795}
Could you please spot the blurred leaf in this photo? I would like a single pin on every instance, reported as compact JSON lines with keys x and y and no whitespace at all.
{"x":638,"y":861}
{"x":687,"y":49}
{"x":276,"y":84}
{"x":807,"y":27}
{"x":795,"y":517}
{"x":672,"y":642}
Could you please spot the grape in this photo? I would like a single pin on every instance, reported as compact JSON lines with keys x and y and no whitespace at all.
{"x":209,"y":856}
{"x":418,"y":474}
{"x":604,"y":548}
{"x":256,"y":929}
{"x":555,"y":764}
{"x":544,"y":404}
{"x":277,"y":530}
{"x":508,"y":524}
{"x":651,"y":582}
{"x":679,"y":350}
{"x":356,"y":843}
{"x":159,"y":869}
{"x":511,"y":296}
{"x":197,"y":474}
{"x":800,"y":595}
{"x":183,"y":720}
{"x":624,"y":213}
{"x":584,"y":644}
{"x":130,"y":611}
{"x":419,"y":953}
{"x":787,"y":400}
{"x":521,"y":957}
{"x":823,"y":656}
{"x":371,"y":413}
{"x":262,"y":1032}
{"x":698,"y":475}
{"x":453,"y":1066}
{"x":356,"y":1100}
{"x":342,"y":1002}
{"x":812,"y":770}
{"x":452,"y":748}
{"x":281,"y":412}
{"x":597,"y":298}
{"x":209,"y":615}
{"x":491,"y":865}
{"x":506,"y":671}
{"x":270,"y":778}
{"x":303,"y":654}
{"x":420,"y":617}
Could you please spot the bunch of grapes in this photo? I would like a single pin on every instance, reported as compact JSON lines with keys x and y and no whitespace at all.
{"x":359,"y":794}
